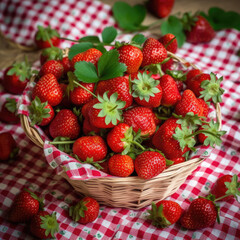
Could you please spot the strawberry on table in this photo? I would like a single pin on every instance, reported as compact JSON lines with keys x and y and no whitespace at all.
{"x":164,"y":213}
{"x":16,"y":77}
{"x":25,"y":205}
{"x":46,"y":37}
{"x":8,"y":146}
{"x":44,"y":225}
{"x":52,"y":66}
{"x":85,"y":211}
{"x":121,"y":165}
{"x":8,"y":112}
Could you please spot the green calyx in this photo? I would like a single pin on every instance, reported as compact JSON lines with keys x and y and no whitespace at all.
{"x":46,"y":33}
{"x":78,"y":211}
{"x":22,"y":69}
{"x":11,"y":105}
{"x":53,"y":53}
{"x":111,"y":108}
{"x":145,"y":86}
{"x":38,"y":111}
{"x":50,"y":224}
{"x":177,"y":74}
{"x":211,"y":89}
{"x":157,"y":217}
{"x":188,"y":20}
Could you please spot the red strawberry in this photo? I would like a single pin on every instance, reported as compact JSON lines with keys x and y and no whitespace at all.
{"x":153,"y":53}
{"x":164,"y":141}
{"x":66,"y":63}
{"x":85,"y":211}
{"x":87,"y":106}
{"x":80,"y":96}
{"x":188,"y":103}
{"x":131,"y":56}
{"x":25,"y":205}
{"x":8,"y":146}
{"x":121,"y":165}
{"x":201,"y":213}
{"x":88,"y":128}
{"x":46,"y":37}
{"x":199,"y":31}
{"x":178,"y":160}
{"x":191,"y":74}
{"x":119,"y":85}
{"x":169,"y":41}
{"x":65,"y":101}
{"x":164,"y":213}
{"x":48,"y":90}
{"x":65,"y":124}
{"x":90,"y":147}
{"x":170,"y":93}
{"x":226,"y":187}
{"x":91,"y":55}
{"x":16,"y":77}
{"x":43,"y":225}
{"x":160,"y":8}
{"x":51,"y":53}
{"x":40,"y":113}
{"x":140,"y":118}
{"x":201,"y":136}
{"x":149,"y":164}
{"x":52,"y":66}
{"x":167,"y":65}
{"x":8,"y":113}
{"x":205,"y":107}
{"x":146,"y":91}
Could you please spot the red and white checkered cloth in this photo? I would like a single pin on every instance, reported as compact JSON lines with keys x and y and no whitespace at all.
{"x":75,"y":19}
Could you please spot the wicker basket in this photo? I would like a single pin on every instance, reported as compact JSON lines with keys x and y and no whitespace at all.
{"x":129,"y":192}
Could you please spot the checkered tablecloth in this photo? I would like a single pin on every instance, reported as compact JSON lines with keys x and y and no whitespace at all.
{"x":30,"y":169}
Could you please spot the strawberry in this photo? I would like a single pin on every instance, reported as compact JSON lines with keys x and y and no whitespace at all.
{"x":91,"y":55}
{"x":164,"y":213}
{"x":88,"y":128}
{"x":205,"y":107}
{"x":25,"y":205}
{"x":140,"y":118}
{"x":164,"y":141}
{"x":191,"y":74}
{"x":226,"y":187}
{"x":160,"y":8}
{"x":201,"y":213}
{"x":43,"y":225}
{"x":131,"y":56}
{"x":188,"y":103}
{"x":121,"y":165}
{"x":167,"y":65}
{"x":198,"y":29}
{"x":52,"y":66}
{"x":8,"y":113}
{"x":80,"y":96}
{"x":149,"y":164}
{"x":153,"y":54}
{"x":146,"y":91}
{"x":91,"y":148}
{"x":65,"y":124}
{"x":16,"y":77}
{"x":65,"y":101}
{"x":66,"y":63}
{"x":40,"y":113}
{"x":169,"y":41}
{"x":51,"y":53}
{"x":87,"y":106}
{"x":85,"y":211}
{"x":46,"y":37}
{"x":170,"y":93}
{"x":119,"y":85}
{"x":201,"y":137}
{"x":8,"y":146}
{"x":178,"y":160}
{"x":48,"y":90}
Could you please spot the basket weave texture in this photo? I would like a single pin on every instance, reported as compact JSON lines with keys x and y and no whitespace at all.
{"x":129,"y":192}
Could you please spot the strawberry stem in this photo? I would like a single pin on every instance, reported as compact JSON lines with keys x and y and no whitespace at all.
{"x":62,"y":142}
{"x":80,"y":85}
{"x":138,"y":144}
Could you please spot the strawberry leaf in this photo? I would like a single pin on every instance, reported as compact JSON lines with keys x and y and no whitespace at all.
{"x":86,"y":72}
{"x":174,"y":25}
{"x":109,"y":34}
{"x":78,"y":48}
{"x":91,"y":39}
{"x":129,"y":18}
{"x":138,"y":39}
{"x":109,"y":66}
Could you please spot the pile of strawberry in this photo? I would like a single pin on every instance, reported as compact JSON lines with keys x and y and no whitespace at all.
{"x":123,"y":109}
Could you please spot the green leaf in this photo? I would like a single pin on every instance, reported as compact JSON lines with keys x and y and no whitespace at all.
{"x":128,"y":17}
{"x":138,"y":39}
{"x":109,"y":34}
{"x":109,"y":66}
{"x":78,"y":48}
{"x":174,"y":25}
{"x":91,"y":39}
{"x":86,"y":72}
